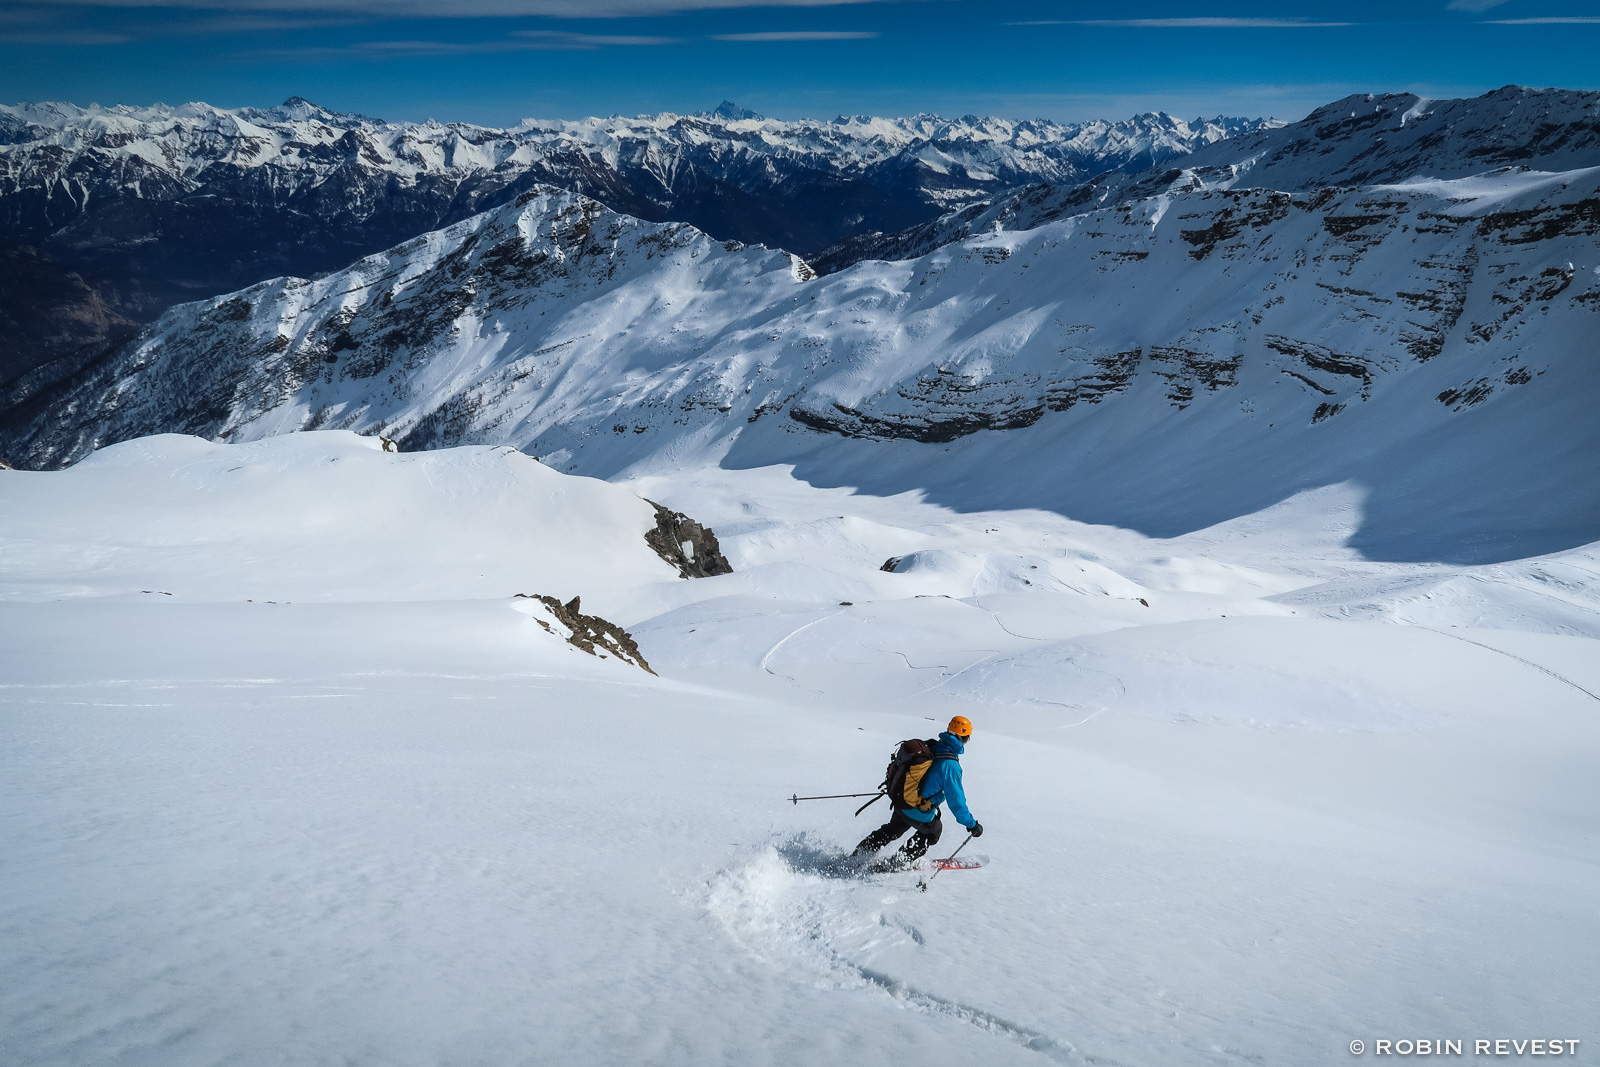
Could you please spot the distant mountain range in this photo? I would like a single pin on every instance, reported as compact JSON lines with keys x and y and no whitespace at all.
{"x":145,"y":207}
{"x":1360,"y":140}
{"x":1180,"y":347}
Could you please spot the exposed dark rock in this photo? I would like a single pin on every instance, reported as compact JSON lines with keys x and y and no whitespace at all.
{"x":1541,"y":224}
{"x":1111,"y":373}
{"x":1255,"y":209}
{"x":687,"y":545}
{"x":590,"y":633}
{"x":1321,"y":358}
{"x":1190,"y":368}
{"x":1444,"y":301}
{"x":942,"y":429}
{"x":1475,"y":392}
{"x":1344,"y":225}
{"x":49,"y":311}
{"x":891,"y":563}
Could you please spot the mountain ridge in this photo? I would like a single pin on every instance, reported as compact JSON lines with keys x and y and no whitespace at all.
{"x":151,"y":206}
{"x":1361,"y":139}
{"x":1411,"y":336}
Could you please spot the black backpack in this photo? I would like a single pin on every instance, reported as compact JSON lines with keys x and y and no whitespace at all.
{"x":912,"y":757}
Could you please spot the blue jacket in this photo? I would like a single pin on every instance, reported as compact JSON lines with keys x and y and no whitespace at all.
{"x":942,"y":784}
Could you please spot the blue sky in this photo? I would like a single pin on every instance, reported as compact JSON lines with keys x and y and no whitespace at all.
{"x":496,"y":61}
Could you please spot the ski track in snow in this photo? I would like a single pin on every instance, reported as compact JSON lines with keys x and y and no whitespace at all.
{"x":767,"y":659}
{"x":1511,"y":655}
{"x":780,"y":910}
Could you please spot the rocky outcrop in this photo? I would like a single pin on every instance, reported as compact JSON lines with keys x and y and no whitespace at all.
{"x":687,"y":545}
{"x":590,"y":633}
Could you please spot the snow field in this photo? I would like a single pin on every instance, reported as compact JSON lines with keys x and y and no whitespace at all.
{"x":392,"y":820}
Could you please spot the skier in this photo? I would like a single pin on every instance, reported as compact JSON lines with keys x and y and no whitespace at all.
{"x":927,"y":785}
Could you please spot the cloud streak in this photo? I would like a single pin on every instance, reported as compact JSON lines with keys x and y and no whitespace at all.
{"x":797,"y":35}
{"x":520,"y":41}
{"x":1545,"y":20}
{"x":1218,"y":22}
{"x":457,"y":8}
{"x":73,"y":37}
{"x":559,"y":39}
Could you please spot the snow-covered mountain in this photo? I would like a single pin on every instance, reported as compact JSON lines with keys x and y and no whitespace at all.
{"x":231,"y":191}
{"x":731,"y":172}
{"x":1113,"y":366}
{"x":146,"y":206}
{"x":1364,"y":139}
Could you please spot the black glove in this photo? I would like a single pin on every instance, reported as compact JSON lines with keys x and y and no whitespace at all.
{"x":976,"y":830}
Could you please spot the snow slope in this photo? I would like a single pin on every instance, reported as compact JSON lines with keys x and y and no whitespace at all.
{"x":1165,"y":364}
{"x":1248,"y":795}
{"x":366,"y":523}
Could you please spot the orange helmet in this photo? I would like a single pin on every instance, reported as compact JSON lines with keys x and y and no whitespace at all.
{"x":961,"y":726}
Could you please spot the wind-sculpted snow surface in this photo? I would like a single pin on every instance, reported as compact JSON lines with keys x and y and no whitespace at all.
{"x":345,"y":507}
{"x":1164,"y":364}
{"x":285,"y":765}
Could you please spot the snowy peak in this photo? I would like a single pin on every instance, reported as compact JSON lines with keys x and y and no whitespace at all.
{"x":182,"y":141}
{"x":194,"y":200}
{"x":731,"y":111}
{"x":1365,"y":139}
{"x":299,"y":109}
{"x":554,"y":262}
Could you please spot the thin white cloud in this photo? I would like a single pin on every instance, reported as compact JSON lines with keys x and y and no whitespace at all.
{"x":557,"y":39}
{"x":459,"y":8}
{"x":1221,"y":22}
{"x":1546,"y":20}
{"x":266,"y":23}
{"x":796,"y":35}
{"x":64,"y":37}
{"x":522,"y":41}
{"x":1474,"y":5}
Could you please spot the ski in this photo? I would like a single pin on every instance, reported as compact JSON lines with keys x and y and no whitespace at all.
{"x":961,"y":863}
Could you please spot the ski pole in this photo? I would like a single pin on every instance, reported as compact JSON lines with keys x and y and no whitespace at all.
{"x":924,"y":885}
{"x":833,"y":796}
{"x":876,"y":797}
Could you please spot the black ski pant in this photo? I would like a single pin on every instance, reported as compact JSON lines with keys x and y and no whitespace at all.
{"x":927,"y":835}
